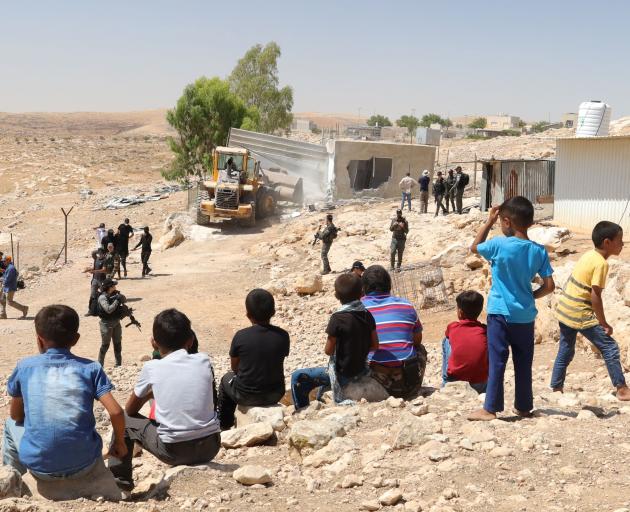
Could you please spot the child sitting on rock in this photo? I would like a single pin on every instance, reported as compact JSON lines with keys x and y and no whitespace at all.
{"x":465,"y":346}
{"x":186,"y":427}
{"x":257,"y":358}
{"x":351,"y":336}
{"x":581,"y":309}
{"x":52,"y":429}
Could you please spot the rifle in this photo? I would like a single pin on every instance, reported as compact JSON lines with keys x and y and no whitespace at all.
{"x":128,"y":312}
{"x":316,"y":237}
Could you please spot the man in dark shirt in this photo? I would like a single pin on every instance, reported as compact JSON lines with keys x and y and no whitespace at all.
{"x":257,"y":358}
{"x":327,"y":237}
{"x":451,"y":182}
{"x":351,"y":335}
{"x":98,"y":272}
{"x":425,"y":181}
{"x":110,"y":238}
{"x":399,"y":228}
{"x":125,"y":232}
{"x":145,"y":254}
{"x":439,"y":189}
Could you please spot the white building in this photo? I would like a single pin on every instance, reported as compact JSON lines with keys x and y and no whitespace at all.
{"x":592,"y":182}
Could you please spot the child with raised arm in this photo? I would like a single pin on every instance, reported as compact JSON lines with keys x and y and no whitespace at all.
{"x":515,"y":261}
{"x":581,"y":309}
{"x":52,"y":430}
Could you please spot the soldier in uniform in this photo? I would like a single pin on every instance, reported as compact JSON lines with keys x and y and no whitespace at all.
{"x":399,"y":228}
{"x":451,"y":182}
{"x":327,"y":236}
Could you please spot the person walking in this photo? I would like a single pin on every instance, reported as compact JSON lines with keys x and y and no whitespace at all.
{"x":125,"y":233}
{"x":109,"y":311}
{"x":399,"y":228}
{"x":145,"y":254}
{"x":406,"y":185}
{"x":327,"y":236}
{"x":9,"y":287}
{"x":439,"y":189}
{"x":462,"y":182}
{"x":424,"y":181}
{"x":451,"y":182}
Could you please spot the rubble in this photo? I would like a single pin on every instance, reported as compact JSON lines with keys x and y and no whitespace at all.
{"x":252,"y":475}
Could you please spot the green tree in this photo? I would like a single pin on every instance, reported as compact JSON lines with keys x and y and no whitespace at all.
{"x":409,"y":122}
{"x":202,"y":118}
{"x":255,"y":81}
{"x":479,"y":122}
{"x":540,"y":126}
{"x":379,"y":120}
{"x":429,"y":119}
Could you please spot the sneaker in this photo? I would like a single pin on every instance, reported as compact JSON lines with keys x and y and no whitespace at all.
{"x":125,"y":273}
{"x":325,"y":272}
{"x":124,"y":485}
{"x":25,"y":312}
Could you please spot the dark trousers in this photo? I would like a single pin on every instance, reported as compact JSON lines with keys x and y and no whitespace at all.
{"x":110,"y":332}
{"x":520,"y":338}
{"x":144,"y":431}
{"x":397,"y":248}
{"x":459,"y":199}
{"x":123,"y":259}
{"x":438,"y":205}
{"x":450,"y":199}
{"x":325,"y":251}
{"x":230,"y":397}
{"x":144,"y":257}
{"x":92,"y":305}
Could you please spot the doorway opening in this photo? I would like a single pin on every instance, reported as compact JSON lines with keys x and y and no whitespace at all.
{"x":369,"y":174}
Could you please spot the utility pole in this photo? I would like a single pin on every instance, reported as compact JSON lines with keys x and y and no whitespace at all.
{"x":65,"y":245}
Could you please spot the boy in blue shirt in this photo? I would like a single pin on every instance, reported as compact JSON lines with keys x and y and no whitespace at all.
{"x":52,"y":430}
{"x":515,"y":261}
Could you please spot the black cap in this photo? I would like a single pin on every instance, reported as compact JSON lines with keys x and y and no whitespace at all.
{"x":101,"y":225}
{"x":108,"y":283}
{"x":357,"y":264}
{"x":399,"y":211}
{"x":329,"y":216}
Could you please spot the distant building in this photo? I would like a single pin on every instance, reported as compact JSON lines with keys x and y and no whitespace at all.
{"x":569,"y":120}
{"x":496,"y":123}
{"x":302,"y":125}
{"x":364,"y":132}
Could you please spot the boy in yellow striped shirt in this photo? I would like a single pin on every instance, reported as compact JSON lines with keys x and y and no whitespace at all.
{"x":581,"y":309}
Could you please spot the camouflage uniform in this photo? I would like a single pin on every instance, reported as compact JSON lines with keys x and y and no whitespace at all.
{"x":399,"y":239}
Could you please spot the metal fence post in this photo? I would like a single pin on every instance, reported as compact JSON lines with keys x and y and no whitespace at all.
{"x":65,"y":245}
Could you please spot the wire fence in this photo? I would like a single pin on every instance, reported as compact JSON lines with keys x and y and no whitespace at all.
{"x":422,"y":284}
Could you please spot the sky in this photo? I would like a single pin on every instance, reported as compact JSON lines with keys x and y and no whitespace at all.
{"x":536,"y":59}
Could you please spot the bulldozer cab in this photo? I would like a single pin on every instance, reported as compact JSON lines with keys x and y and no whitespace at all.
{"x":235,"y":165}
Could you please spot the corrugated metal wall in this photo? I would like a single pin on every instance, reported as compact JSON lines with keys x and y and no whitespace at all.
{"x":592,"y":182}
{"x":530,"y":179}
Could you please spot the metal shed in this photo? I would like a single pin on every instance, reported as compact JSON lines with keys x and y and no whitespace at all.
{"x":593,"y":181}
{"x":533,"y":179}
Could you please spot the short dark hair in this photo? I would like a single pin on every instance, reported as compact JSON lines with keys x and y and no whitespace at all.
{"x":57,"y":324}
{"x":127,"y":221}
{"x":329,"y":216}
{"x":376,"y":279}
{"x":171,"y":329}
{"x":260,"y":305}
{"x":146,"y":229}
{"x":605,"y":230}
{"x":519,"y":210}
{"x":471,"y":304}
{"x":348,"y":287}
{"x":408,"y":174}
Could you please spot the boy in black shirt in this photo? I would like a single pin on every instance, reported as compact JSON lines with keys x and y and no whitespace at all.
{"x":257,"y":358}
{"x":351,"y":335}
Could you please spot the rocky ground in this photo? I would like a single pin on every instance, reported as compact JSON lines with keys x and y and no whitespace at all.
{"x":391,"y":455}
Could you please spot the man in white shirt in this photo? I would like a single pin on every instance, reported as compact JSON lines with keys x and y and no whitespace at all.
{"x":406,"y":184}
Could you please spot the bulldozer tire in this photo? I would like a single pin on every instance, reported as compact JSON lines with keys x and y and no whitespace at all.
{"x":202,"y":218}
{"x":265,"y":204}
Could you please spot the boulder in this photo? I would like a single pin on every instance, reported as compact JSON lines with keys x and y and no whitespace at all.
{"x":252,"y":475}
{"x":172,"y":239}
{"x":390,"y":498}
{"x":10,"y":483}
{"x":365,"y":388}
{"x":451,"y":256}
{"x":330,"y":453}
{"x":249,"y":435}
{"x":550,"y":237}
{"x":272,"y":414}
{"x":314,"y":433}
{"x":309,"y":284}
{"x":473,"y":262}
{"x":204,"y":234}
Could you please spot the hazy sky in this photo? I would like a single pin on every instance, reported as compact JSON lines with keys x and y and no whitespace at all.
{"x":534,"y":58}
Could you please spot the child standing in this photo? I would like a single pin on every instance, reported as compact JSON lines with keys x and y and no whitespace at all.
{"x":52,"y":430}
{"x":351,"y":336}
{"x":465,"y":346}
{"x":581,"y":309}
{"x":515,"y":261}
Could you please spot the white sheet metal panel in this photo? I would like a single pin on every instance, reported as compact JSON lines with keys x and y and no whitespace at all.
{"x":592,"y":182}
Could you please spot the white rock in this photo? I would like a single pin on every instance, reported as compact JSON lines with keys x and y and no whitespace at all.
{"x":273,"y":414}
{"x":390,"y":497}
{"x":473,"y":262}
{"x":550,"y":237}
{"x":394,"y":402}
{"x":451,"y":256}
{"x":309,"y":284}
{"x":314,"y":433}
{"x":249,"y":435}
{"x":10,"y":482}
{"x":330,"y":453}
{"x":501,"y":451}
{"x":413,"y":506}
{"x":252,"y":475}
{"x":586,"y":414}
{"x":171,"y":239}
{"x":352,"y":481}
{"x":370,"y":505}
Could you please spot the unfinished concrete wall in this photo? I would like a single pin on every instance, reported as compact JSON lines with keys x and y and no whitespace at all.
{"x":405,"y":158}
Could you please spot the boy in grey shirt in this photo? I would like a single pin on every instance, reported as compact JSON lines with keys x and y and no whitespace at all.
{"x":184,"y":431}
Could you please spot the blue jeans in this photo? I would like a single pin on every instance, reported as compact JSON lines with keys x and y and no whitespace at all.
{"x":520,"y":338}
{"x":405,"y":196}
{"x":598,"y":337}
{"x":305,"y":380}
{"x":13,"y":433}
{"x":479,"y":387}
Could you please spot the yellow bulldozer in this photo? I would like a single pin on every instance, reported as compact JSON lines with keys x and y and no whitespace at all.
{"x":240,"y":189}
